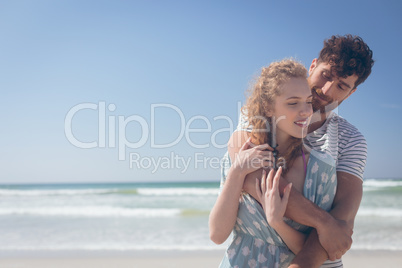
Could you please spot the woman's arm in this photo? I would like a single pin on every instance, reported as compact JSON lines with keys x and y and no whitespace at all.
{"x":275,"y":207}
{"x":224,"y":213}
{"x":293,"y":239}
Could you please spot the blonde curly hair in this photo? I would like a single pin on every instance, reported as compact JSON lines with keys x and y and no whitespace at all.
{"x":261,"y":101}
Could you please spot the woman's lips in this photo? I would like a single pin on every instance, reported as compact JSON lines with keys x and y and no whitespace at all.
{"x":302,"y":123}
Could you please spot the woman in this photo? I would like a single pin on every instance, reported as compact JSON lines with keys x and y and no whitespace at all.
{"x":281,"y":100}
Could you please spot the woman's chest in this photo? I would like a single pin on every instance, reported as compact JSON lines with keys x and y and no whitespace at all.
{"x":296,"y":175}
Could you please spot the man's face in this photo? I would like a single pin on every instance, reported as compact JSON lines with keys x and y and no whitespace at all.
{"x":328,"y":89}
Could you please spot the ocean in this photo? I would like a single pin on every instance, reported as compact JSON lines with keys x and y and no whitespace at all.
{"x":142,"y":216}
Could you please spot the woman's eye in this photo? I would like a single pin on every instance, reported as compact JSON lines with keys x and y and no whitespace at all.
{"x":292,"y":103}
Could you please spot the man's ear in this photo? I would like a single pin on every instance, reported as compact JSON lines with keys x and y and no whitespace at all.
{"x":312,"y":66}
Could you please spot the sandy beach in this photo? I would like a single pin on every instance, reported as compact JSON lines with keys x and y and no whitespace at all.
{"x":166,"y":259}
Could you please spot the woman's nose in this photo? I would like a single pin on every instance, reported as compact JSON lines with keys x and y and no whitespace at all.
{"x":307,"y":110}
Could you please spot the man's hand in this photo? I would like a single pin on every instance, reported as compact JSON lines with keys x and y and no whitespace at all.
{"x":336,"y":238}
{"x":345,"y":206}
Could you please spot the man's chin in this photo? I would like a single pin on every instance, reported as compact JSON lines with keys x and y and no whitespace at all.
{"x":324,"y":109}
{"x":318,"y":107}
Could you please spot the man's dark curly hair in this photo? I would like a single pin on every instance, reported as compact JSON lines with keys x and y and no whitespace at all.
{"x":348,"y":55}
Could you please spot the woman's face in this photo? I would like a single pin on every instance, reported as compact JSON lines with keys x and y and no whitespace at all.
{"x":293,"y":108}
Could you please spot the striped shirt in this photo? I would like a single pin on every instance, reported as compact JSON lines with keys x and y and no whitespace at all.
{"x":336,"y":136}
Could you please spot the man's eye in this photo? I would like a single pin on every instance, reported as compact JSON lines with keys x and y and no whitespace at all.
{"x":326,"y":76}
{"x":292,"y":103}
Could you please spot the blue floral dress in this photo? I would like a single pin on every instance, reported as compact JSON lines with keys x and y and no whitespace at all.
{"x":255,"y":243}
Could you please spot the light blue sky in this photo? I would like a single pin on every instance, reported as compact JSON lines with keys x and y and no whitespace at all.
{"x":196,"y":56}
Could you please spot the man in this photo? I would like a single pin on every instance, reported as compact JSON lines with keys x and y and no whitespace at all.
{"x":344,"y":63}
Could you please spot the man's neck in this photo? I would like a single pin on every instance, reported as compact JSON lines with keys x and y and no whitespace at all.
{"x":317,"y":120}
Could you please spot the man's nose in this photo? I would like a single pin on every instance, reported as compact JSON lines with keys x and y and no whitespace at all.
{"x":327,"y":88}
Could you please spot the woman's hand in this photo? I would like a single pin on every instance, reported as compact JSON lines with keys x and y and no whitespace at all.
{"x":252,"y":157}
{"x":273,"y":204}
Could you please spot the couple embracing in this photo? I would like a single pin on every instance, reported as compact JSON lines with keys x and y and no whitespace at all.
{"x":292,"y":178}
